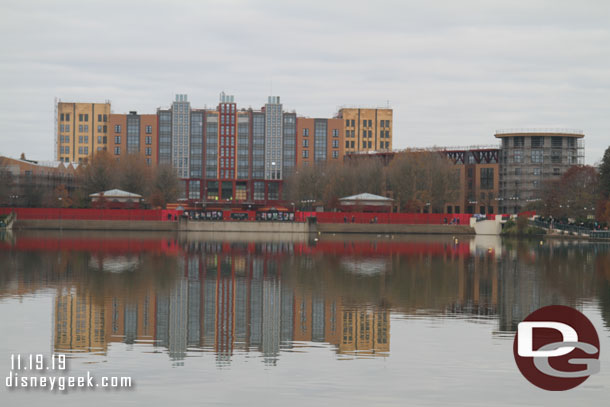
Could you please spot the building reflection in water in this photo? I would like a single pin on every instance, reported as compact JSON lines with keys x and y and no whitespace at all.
{"x":264,"y":298}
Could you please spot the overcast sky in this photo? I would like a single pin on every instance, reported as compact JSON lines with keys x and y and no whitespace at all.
{"x":453,"y":71}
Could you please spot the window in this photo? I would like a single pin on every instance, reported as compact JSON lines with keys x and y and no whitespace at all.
{"x":67,"y":127}
{"x":105,"y":118}
{"x":274,"y":191}
{"x":80,"y":150}
{"x":86,"y":117}
{"x":67,"y":150}
{"x":335,"y":154}
{"x":61,"y":127}
{"x":80,"y":117}
{"x":347,"y":144}
{"x":117,"y":128}
{"x":556,"y":142}
{"x":194,"y":189}
{"x":518,"y":156}
{"x":67,"y":139}
{"x":305,"y":132}
{"x":80,"y":128}
{"x":305,"y":143}
{"x":99,"y":139}
{"x":352,"y":144}
{"x":537,"y":141}
{"x":67,"y":117}
{"x":487,"y":178}
{"x":99,"y":128}
{"x":86,"y":128}
{"x":80,"y":139}
{"x":335,"y":133}
{"x":556,"y":156}
{"x":353,"y":122}
{"x":382,"y":124}
{"x":370,"y":123}
{"x":519,"y":141}
{"x":148,"y":140}
{"x":105,"y":129}
{"x":335,"y":143}
{"x":305,"y":153}
{"x":61,"y":117}
{"x":556,"y":171}
{"x":117,"y":151}
{"x":117,"y":139}
{"x":148,"y":129}
{"x":518,"y":171}
{"x":241,"y":191}
{"x":364,"y":123}
{"x":148,"y":151}
{"x":99,"y":117}
{"x":370,"y":144}
{"x":537,"y":156}
{"x":259,"y":191}
{"x":346,"y":121}
{"x":364,"y":144}
{"x":86,"y":149}
{"x":536,"y":171}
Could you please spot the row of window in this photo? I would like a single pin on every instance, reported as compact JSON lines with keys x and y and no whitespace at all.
{"x":335,"y":143}
{"x":82,"y":117}
{"x":537,"y":156}
{"x":118,"y":129}
{"x":335,"y":132}
{"x":335,"y":154}
{"x":367,"y":123}
{"x":117,"y":140}
{"x":147,"y":151}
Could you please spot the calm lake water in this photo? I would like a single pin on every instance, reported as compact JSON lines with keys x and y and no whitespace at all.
{"x":287,"y":320}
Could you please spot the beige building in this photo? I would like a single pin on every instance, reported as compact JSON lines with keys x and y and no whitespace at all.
{"x":82,"y":128}
{"x":367,"y":129}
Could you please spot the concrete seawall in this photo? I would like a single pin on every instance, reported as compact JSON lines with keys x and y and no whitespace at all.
{"x":384,"y":228}
{"x":242,"y":227}
{"x":70,"y":224}
{"x":245,"y":227}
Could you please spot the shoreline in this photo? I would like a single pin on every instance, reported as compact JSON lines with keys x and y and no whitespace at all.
{"x":243,"y":227}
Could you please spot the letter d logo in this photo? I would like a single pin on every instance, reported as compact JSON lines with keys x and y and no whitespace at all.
{"x":556,"y":348}
{"x":526,"y":339}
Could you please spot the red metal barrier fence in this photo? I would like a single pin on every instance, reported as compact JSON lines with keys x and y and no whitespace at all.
{"x":395,"y":218}
{"x":91,"y":214}
{"x":173,"y":215}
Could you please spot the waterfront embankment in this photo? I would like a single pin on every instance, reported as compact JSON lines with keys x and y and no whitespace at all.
{"x":239,"y":227}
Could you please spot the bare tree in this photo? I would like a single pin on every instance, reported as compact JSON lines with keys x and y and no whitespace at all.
{"x":166,"y":186}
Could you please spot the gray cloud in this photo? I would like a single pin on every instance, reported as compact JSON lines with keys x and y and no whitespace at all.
{"x":454,"y":72}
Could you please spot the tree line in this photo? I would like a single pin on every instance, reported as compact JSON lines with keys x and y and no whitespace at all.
{"x":158,"y":186}
{"x":417,"y":181}
{"x":582,"y":194}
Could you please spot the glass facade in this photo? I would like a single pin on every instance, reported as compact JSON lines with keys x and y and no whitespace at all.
{"x":273,"y":139}
{"x":181,"y":110}
{"x":133,"y":133}
{"x":243,"y":147}
{"x":211,"y":146}
{"x":258,"y":145}
{"x":320,"y":132}
{"x":196,"y":145}
{"x":289,"y":143}
{"x":165,"y":136}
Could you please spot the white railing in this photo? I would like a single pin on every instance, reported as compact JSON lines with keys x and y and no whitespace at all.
{"x":541,"y":130}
